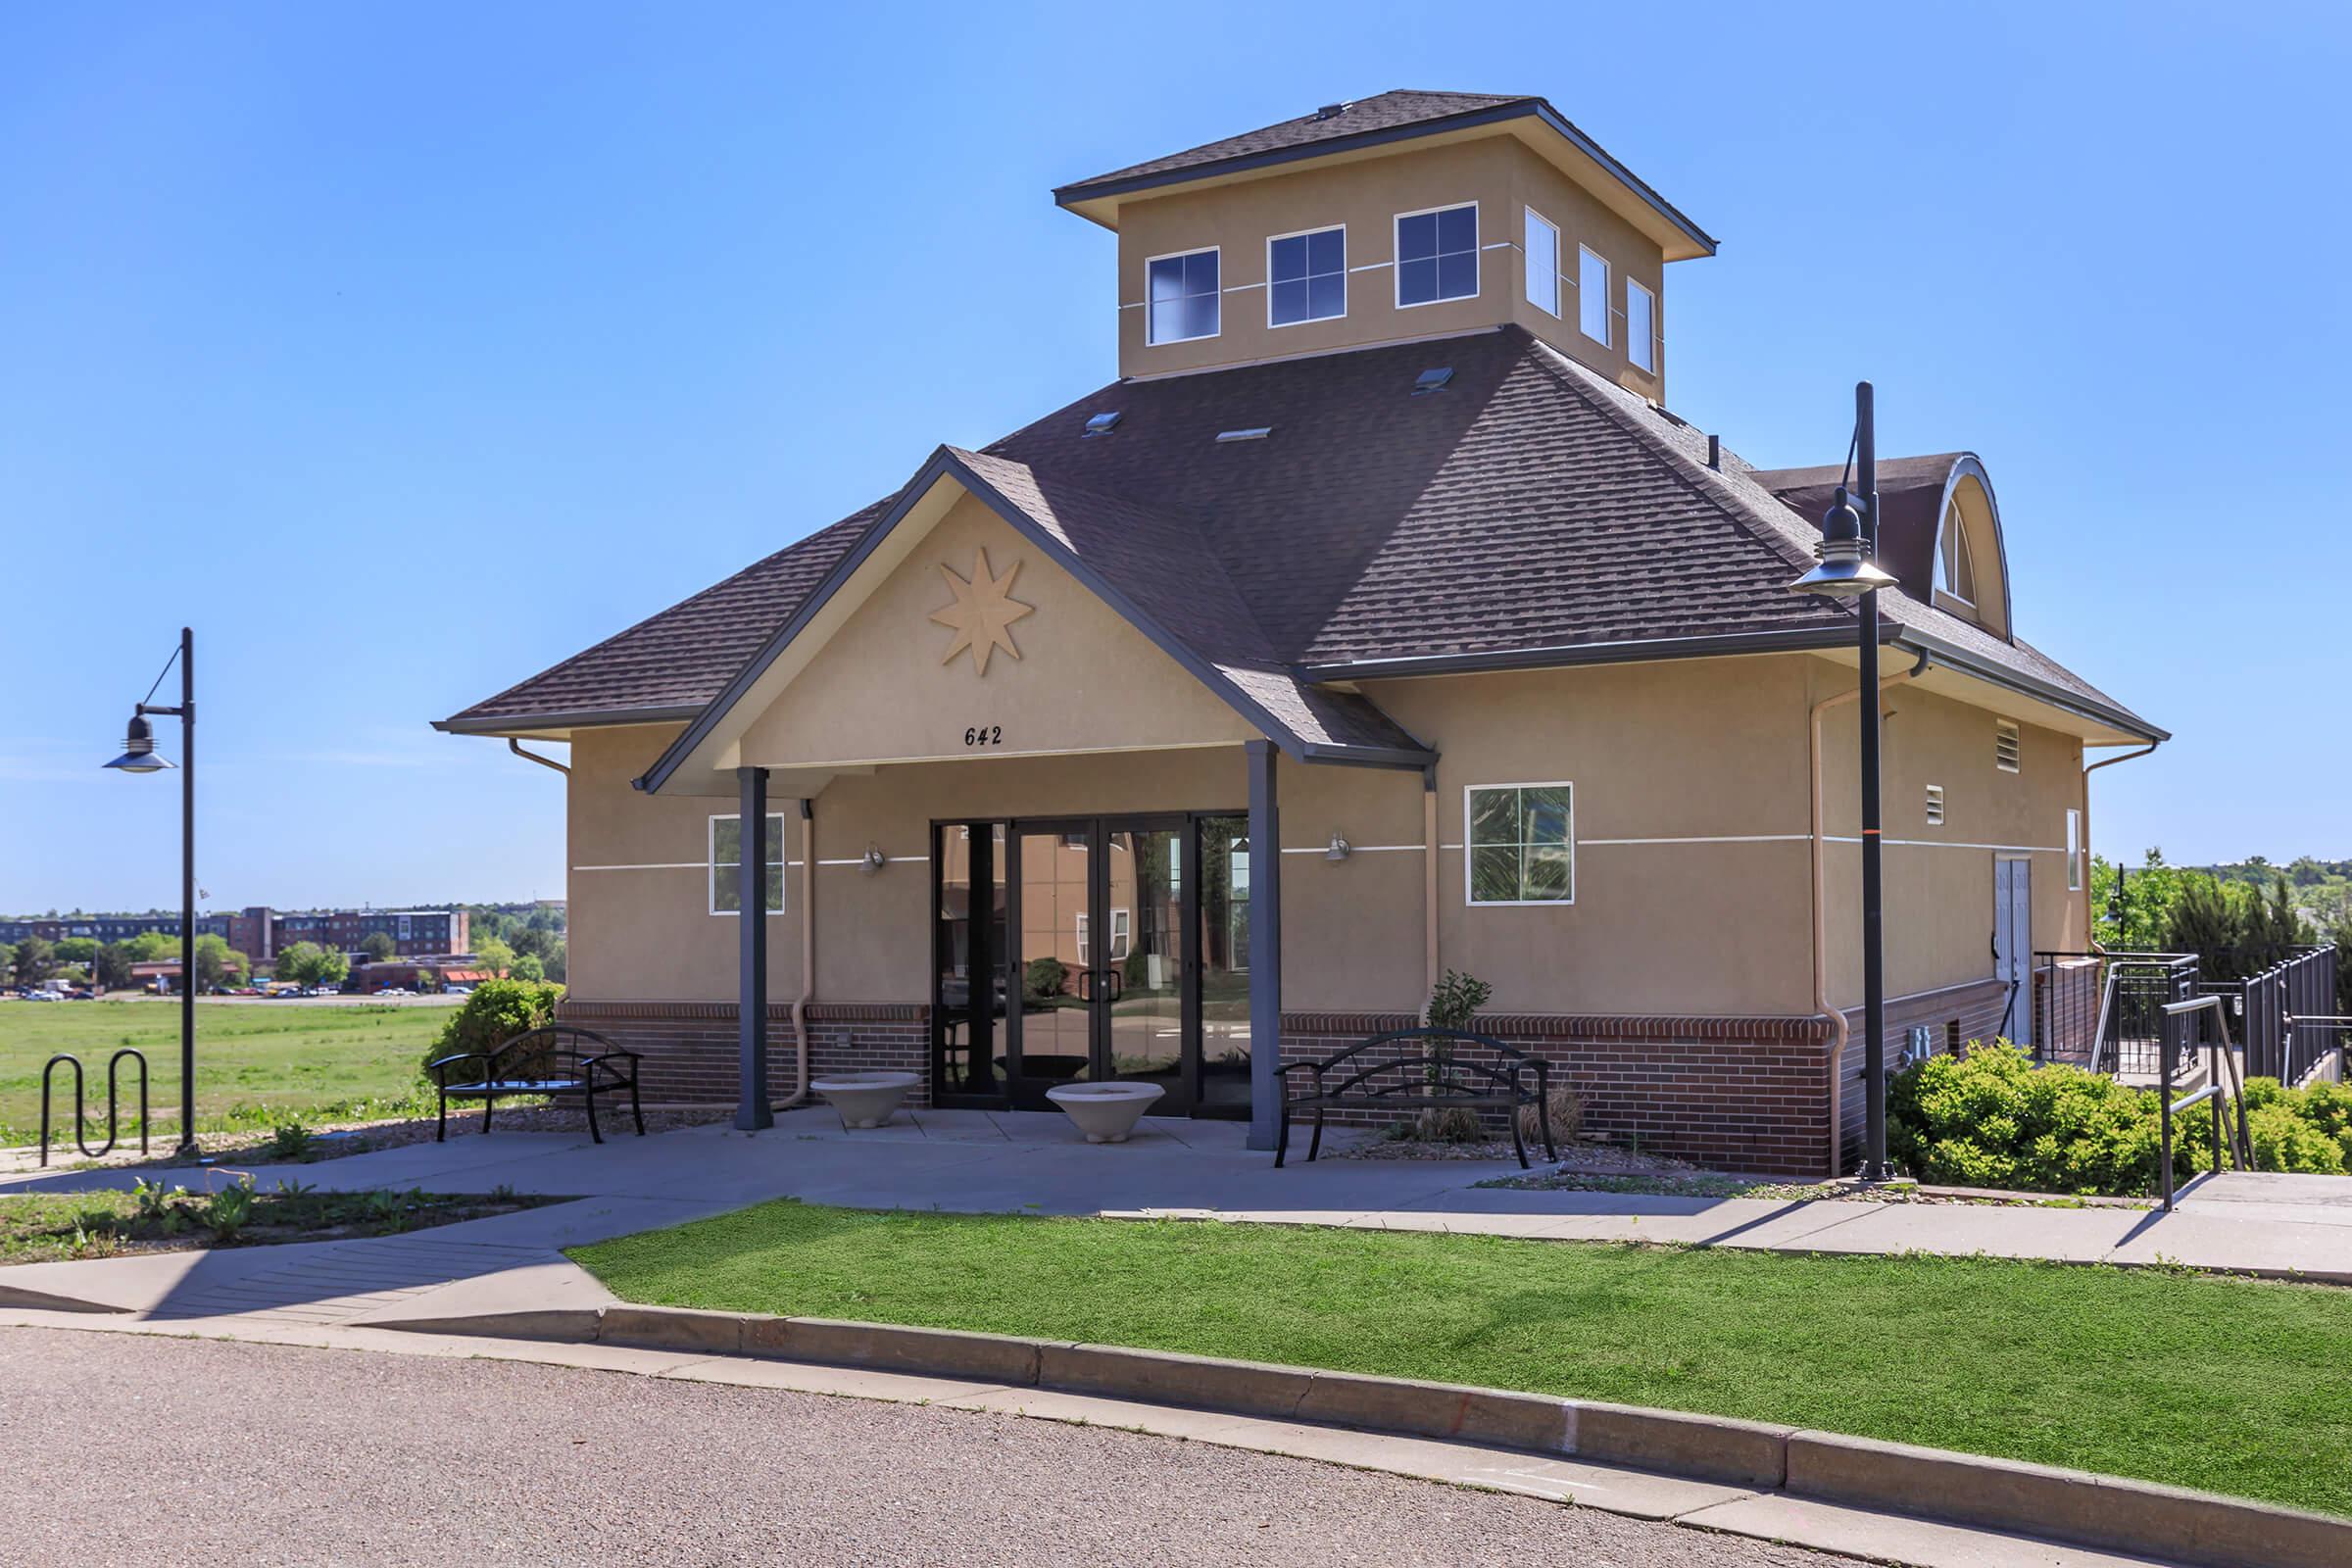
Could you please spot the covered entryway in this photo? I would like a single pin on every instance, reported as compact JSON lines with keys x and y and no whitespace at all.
{"x":1092,"y":948}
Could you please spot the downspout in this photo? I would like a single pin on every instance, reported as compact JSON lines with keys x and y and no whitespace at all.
{"x":1840,"y":1031}
{"x":2090,"y":923}
{"x":799,"y":1003}
{"x":516,"y":746}
{"x":1429,"y":875}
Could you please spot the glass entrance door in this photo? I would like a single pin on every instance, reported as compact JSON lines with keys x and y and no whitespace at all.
{"x":1103,"y":961}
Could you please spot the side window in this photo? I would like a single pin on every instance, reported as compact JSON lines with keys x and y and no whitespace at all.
{"x":1437,"y":255}
{"x":1956,"y":568}
{"x":1306,"y":276}
{"x":1543,"y":262}
{"x":1593,"y":294}
{"x":2073,"y":850}
{"x":1640,"y":326}
{"x":727,"y":860}
{"x":1184,"y":297}
{"x":1519,"y":844}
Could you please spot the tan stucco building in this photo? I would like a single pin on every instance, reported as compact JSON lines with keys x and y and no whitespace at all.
{"x":1383,"y":552}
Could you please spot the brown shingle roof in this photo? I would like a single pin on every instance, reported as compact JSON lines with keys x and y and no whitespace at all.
{"x":1383,"y":112}
{"x":1530,"y":510}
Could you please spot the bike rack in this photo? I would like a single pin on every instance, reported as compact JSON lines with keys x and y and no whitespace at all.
{"x":114,"y":1102}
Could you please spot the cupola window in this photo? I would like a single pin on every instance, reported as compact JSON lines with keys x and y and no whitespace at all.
{"x":1306,"y":276}
{"x":1182,"y":296}
{"x":1955,"y":571}
{"x":1437,"y":255}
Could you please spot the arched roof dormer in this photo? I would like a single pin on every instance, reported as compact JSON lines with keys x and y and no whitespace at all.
{"x":1971,"y":569}
{"x":1939,"y":529}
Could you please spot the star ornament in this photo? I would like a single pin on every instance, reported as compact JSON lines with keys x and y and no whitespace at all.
{"x":982,"y":612}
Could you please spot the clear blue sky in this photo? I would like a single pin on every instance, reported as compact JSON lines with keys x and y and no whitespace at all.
{"x":405,"y":349}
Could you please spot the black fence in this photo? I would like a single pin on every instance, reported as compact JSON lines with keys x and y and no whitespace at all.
{"x":2105,"y":1010}
{"x":2260,"y":1006}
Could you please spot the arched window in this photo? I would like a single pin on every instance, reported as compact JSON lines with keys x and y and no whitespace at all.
{"x":1955,"y":569}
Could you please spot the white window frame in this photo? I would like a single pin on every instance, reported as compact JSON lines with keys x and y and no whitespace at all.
{"x":1218,"y":294}
{"x":1272,"y":325}
{"x":1478,"y":264}
{"x":2073,"y":850}
{"x":2008,"y":729}
{"x":1641,"y":348}
{"x":1528,"y":256}
{"x":1085,"y":935}
{"x":1952,"y":554}
{"x":1469,"y":845}
{"x":1585,"y":254}
{"x":710,"y":859}
{"x":1122,"y":935}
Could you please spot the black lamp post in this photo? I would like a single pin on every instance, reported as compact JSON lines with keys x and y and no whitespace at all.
{"x":140,"y":757}
{"x":1849,"y":570}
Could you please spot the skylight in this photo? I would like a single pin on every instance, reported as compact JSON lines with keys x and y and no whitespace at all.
{"x":1432,"y":381}
{"x":1103,"y":423}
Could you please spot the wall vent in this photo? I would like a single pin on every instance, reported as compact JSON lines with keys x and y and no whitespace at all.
{"x":1103,"y":423}
{"x":1934,"y":806}
{"x":2004,"y":747}
{"x":1432,"y":381}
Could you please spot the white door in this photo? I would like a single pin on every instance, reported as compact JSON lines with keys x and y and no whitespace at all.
{"x":2012,"y":944}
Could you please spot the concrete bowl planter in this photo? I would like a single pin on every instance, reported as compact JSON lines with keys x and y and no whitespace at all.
{"x":863,"y":1098}
{"x":1106,"y":1113}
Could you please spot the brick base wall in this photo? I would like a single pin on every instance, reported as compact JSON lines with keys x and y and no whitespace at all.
{"x":1957,"y":1014}
{"x":1736,"y":1093}
{"x":690,"y":1047}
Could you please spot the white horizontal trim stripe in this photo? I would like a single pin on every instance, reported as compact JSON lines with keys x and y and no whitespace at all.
{"x":1723,"y":837}
{"x":1371,"y":267}
{"x":1358,"y":849}
{"x":651,"y":865}
{"x":1949,"y":844}
{"x":888,"y":860}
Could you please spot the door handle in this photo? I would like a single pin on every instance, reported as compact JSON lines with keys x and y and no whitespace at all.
{"x":1118,"y":984}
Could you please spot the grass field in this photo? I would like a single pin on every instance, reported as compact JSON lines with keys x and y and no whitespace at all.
{"x":2232,"y":1385}
{"x":255,"y":1063}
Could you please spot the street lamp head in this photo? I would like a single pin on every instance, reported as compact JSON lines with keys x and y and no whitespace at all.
{"x":139,"y":749}
{"x":1846,"y":570}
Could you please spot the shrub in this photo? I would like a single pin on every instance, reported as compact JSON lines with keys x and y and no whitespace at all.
{"x":1991,"y":1119}
{"x":1456,"y":1000}
{"x":496,"y":1013}
{"x":1567,"y":1108}
{"x":289,"y":1140}
{"x":2284,"y":1140}
{"x":1042,"y":981}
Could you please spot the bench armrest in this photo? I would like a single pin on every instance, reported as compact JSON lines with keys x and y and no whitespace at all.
{"x":444,"y":1062}
{"x":589,"y":1064}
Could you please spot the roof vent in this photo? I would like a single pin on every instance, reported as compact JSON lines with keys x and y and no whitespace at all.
{"x":1428,"y":382}
{"x":1103,"y":423}
{"x":1333,"y":111}
{"x":1256,"y":432}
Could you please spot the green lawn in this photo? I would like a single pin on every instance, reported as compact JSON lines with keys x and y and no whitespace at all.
{"x":255,"y":1063}
{"x":2232,"y":1385}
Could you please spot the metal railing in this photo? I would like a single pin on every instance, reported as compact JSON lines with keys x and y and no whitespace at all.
{"x":2100,"y":1010}
{"x":114,"y":1102}
{"x":2299,"y":986}
{"x":2310,"y":1042}
{"x":2221,"y":1080}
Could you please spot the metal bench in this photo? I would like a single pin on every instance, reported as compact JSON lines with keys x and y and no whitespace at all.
{"x":1418,"y":1070}
{"x":544,"y":1061}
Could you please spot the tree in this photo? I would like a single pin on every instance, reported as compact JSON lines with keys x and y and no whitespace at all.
{"x":378,"y":947}
{"x":35,"y":960}
{"x":306,"y":963}
{"x":496,"y":956}
{"x":77,"y":949}
{"x":528,"y":968}
{"x":8,"y":960}
{"x":2210,"y":923}
{"x":113,"y":967}
{"x":217,"y":961}
{"x":426,"y":981}
{"x":152,"y":947}
{"x":2140,"y":919}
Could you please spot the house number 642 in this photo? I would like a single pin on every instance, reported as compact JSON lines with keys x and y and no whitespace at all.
{"x":984,"y":735}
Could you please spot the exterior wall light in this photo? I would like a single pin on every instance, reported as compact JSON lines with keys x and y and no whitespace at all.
{"x":1339,"y":849}
{"x":875,"y":859}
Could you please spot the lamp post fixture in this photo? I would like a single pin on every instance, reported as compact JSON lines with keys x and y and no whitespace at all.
{"x":140,"y":757}
{"x":1849,"y":570}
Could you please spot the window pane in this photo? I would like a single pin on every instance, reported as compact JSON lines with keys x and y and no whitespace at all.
{"x":1289,"y":303}
{"x":1494,"y":817}
{"x":1639,"y":330}
{"x":1546,"y":814}
{"x":1545,"y":874}
{"x":1458,"y":229}
{"x":1457,"y":276}
{"x":726,"y":841}
{"x":1200,"y":316}
{"x":1327,"y":251}
{"x":723,"y":892}
{"x":1286,"y":260}
{"x":1494,"y":876}
{"x":775,"y":887}
{"x":1542,"y":264}
{"x":1592,"y":296}
{"x":1168,"y":321}
{"x":1168,"y":277}
{"x":775,"y":841}
{"x":1417,"y":237}
{"x":1201,"y":272}
{"x":1326,"y":296}
{"x":1417,"y":282}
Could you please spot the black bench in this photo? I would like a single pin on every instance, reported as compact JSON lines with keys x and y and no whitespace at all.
{"x":1419,"y":1071}
{"x":548,"y":1061}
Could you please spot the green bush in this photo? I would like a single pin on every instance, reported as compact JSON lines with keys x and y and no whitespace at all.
{"x":496,"y":1013}
{"x":2284,"y":1141}
{"x":1991,"y":1119}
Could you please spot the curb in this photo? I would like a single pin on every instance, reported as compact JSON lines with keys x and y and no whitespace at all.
{"x":2075,"y":1506}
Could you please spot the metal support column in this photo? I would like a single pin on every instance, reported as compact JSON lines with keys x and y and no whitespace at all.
{"x":1266,"y":948}
{"x":752,"y":1111}
{"x":1874,"y":944}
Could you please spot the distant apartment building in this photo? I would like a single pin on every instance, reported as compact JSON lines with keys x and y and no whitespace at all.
{"x":261,"y":933}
